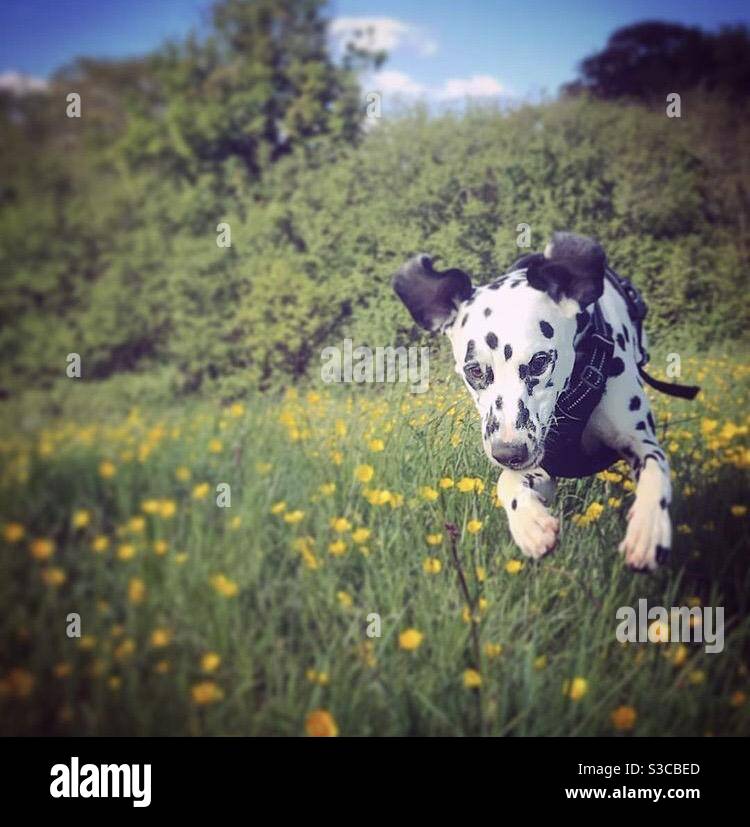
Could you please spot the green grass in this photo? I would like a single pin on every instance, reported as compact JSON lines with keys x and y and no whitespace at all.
{"x":555,"y":619}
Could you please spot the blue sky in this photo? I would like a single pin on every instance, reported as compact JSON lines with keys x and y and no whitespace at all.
{"x":439,"y":48}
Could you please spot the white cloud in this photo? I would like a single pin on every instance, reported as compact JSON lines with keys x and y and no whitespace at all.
{"x":19,"y":84}
{"x":396,"y":83}
{"x":393,"y":82}
{"x":376,"y":33}
{"x":477,"y":86}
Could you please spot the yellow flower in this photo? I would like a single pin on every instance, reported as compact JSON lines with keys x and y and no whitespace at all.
{"x":161,"y":638}
{"x":429,"y":493}
{"x":680,"y":655}
{"x":167,"y":508}
{"x":20,"y":681}
{"x":337,"y":548}
{"x":136,"y":590}
{"x":623,"y":718}
{"x":263,"y":468}
{"x":13,"y":532}
{"x":279,"y":507}
{"x":738,"y":699}
{"x":62,"y":670}
{"x":432,"y":565}
{"x":472,"y":679}
{"x":293,"y":517}
{"x":410,"y":639}
{"x":236,"y":410}
{"x":465,"y":484}
{"x":114,"y":682}
{"x":107,"y":470}
{"x":206,"y":692}
{"x":183,"y":473}
{"x":376,"y":445}
{"x":215,"y":446}
{"x":86,"y":642}
{"x":327,"y":488}
{"x":340,"y":524}
{"x":200,"y":491}
{"x":125,"y":649}
{"x":161,"y":547}
{"x":738,"y":510}
{"x":42,"y":549}
{"x":210,"y":662}
{"x":150,"y":506}
{"x":364,"y":473}
{"x":474,"y":526}
{"x":344,"y":599}
{"x":493,"y":650}
{"x":321,"y":724}
{"x":126,"y":551}
{"x":361,"y":535}
{"x":81,"y":519}
{"x":478,"y":485}
{"x":575,"y":689}
{"x":658,"y":632}
{"x":235,"y":523}
{"x":446,"y":482}
{"x":434,"y":539}
{"x":54,"y":576}
{"x":481,"y":574}
{"x":614,"y":502}
{"x":136,"y":524}
{"x":697,"y":677}
{"x":224,"y":586}
{"x":513,"y":566}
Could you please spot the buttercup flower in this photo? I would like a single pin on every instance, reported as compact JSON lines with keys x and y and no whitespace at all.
{"x":210,"y":662}
{"x":13,"y":532}
{"x":575,"y":689}
{"x":474,"y":526}
{"x":432,"y":565}
{"x":205,"y":693}
{"x":472,"y":679}
{"x":410,"y":639}
{"x":623,"y":718}
{"x":513,"y":566}
{"x":321,"y":724}
{"x":42,"y":549}
{"x":364,"y":473}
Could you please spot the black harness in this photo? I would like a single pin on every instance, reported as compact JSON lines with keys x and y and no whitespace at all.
{"x":563,"y":452}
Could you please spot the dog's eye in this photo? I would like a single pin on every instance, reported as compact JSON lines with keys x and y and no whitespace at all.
{"x":539,"y":363}
{"x":474,"y":372}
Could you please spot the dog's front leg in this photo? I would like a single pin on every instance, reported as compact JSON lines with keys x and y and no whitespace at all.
{"x":525,"y":495}
{"x":649,"y":533}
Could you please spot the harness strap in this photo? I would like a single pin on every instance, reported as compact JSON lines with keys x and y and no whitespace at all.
{"x":670,"y":388}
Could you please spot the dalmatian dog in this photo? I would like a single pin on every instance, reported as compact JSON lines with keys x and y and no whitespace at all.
{"x":514,"y":344}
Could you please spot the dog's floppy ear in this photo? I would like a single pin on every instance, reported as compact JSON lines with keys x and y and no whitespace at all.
{"x":572,"y":267}
{"x":432,"y":297}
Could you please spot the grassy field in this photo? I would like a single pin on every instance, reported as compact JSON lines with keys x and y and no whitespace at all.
{"x":253,"y":619}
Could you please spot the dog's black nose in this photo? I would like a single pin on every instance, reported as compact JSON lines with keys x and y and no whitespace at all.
{"x":511,"y":454}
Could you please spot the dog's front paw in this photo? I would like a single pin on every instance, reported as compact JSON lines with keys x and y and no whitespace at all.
{"x":648,"y":536}
{"x":533,"y":528}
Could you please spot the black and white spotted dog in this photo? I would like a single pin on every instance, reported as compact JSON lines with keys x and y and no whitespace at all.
{"x":515,"y":343}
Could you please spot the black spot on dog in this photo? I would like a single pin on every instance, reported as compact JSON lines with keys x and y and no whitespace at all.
{"x":516,"y":282}
{"x":625,"y":333}
{"x":499,"y":403}
{"x":522,"y":371}
{"x":616,"y":367}
{"x":495,"y":285}
{"x":471,"y":350}
{"x":508,"y":352}
{"x":487,"y":311}
{"x":641,"y":426}
{"x":514,"y":504}
{"x":531,"y":383}
{"x":635,"y":403}
{"x":522,"y":420}
{"x":549,"y":384}
{"x":663,"y":503}
{"x":529,"y":480}
{"x":491,"y":340}
{"x":489,"y":376}
{"x":621,"y":341}
{"x":547,"y":329}
{"x":660,"y":456}
{"x":465,"y":319}
{"x":651,"y":423}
